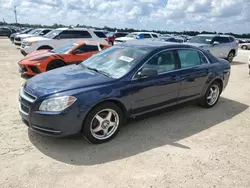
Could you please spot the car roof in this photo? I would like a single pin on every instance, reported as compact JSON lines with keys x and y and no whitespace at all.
{"x":155,"y":44}
{"x":213,"y":35}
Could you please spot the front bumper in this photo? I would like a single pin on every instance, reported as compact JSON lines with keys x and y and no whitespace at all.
{"x":56,"y":124}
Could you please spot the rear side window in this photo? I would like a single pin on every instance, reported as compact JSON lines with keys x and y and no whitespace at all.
{"x":222,"y":39}
{"x":87,"y":48}
{"x":154,"y":35}
{"x":189,"y":58}
{"x":100,"y":34}
{"x":146,"y":36}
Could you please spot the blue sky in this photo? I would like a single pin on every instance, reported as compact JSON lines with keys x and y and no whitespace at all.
{"x":171,"y":15}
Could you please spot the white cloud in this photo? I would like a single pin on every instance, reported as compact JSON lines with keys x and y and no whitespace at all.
{"x":213,"y":15}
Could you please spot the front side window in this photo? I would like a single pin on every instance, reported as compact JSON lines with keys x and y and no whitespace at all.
{"x":189,"y":58}
{"x":100,"y":34}
{"x":162,"y":62}
{"x":116,"y":61}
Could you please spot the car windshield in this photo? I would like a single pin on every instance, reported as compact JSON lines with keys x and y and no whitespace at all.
{"x":52,"y":34}
{"x":64,"y":49}
{"x":32,"y":31}
{"x":201,"y":39}
{"x":116,"y":61}
{"x":37,"y":31}
{"x":132,"y":35}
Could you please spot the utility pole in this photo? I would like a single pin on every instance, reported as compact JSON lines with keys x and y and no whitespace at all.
{"x":15,"y":13}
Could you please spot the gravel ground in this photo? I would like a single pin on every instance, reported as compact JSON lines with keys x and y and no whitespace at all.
{"x":186,"y":146}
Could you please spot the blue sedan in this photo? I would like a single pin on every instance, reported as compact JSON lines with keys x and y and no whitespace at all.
{"x":96,"y":96}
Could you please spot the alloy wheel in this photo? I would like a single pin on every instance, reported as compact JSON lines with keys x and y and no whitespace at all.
{"x":213,"y":95}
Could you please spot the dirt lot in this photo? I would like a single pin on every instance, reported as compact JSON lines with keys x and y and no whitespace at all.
{"x":183,"y":147}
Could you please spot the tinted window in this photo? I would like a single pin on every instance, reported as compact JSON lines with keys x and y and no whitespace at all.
{"x":45,"y":32}
{"x":189,"y":58}
{"x":162,"y":62}
{"x":147,"y":36}
{"x":87,"y":48}
{"x":203,"y":58}
{"x":67,"y":34}
{"x":154,"y":35}
{"x":100,"y":34}
{"x":221,"y":39}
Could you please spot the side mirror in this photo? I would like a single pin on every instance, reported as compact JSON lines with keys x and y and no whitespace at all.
{"x":147,"y":72}
{"x":216,"y":43}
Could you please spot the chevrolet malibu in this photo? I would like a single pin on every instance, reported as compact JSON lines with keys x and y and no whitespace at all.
{"x":96,"y":96}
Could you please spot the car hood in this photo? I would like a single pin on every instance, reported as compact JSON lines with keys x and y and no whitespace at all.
{"x":32,"y":39}
{"x":125,"y":38}
{"x":198,"y":44}
{"x":24,"y":35}
{"x":64,"y":79}
{"x":34,"y":55}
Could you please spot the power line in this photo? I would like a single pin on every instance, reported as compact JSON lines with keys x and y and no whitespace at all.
{"x":15,"y":13}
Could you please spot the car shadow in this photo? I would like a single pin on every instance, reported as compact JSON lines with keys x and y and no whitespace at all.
{"x":238,"y":63}
{"x":165,"y":127}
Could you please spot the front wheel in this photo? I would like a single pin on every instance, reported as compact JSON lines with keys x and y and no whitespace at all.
{"x":102,"y":123}
{"x":230,"y":57}
{"x":211,"y":96}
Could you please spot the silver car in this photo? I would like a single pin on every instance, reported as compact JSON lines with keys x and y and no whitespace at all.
{"x":221,"y":46}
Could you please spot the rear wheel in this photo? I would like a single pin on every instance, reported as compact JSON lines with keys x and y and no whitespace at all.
{"x":244,"y":47}
{"x":230,"y":56}
{"x":212,"y":95}
{"x":55,"y":64}
{"x":102,"y":123}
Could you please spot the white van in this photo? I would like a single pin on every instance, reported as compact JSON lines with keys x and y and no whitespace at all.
{"x":61,"y":36}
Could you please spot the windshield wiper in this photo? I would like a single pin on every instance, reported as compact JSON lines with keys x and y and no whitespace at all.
{"x":99,"y":71}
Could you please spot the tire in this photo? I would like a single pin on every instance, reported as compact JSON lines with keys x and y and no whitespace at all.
{"x":244,"y":47}
{"x":45,"y":48}
{"x":94,"y":130}
{"x":230,"y":56}
{"x":205,"y":102}
{"x":55,"y":64}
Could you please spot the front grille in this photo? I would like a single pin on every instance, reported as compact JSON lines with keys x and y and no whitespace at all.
{"x":23,"y":69}
{"x":26,"y":96}
{"x":18,"y":39}
{"x":34,"y":69}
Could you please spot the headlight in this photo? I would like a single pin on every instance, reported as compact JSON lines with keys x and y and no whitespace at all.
{"x":30,"y":43}
{"x":57,"y":104}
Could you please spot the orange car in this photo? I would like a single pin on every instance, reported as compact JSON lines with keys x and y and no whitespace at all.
{"x":45,"y":60}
